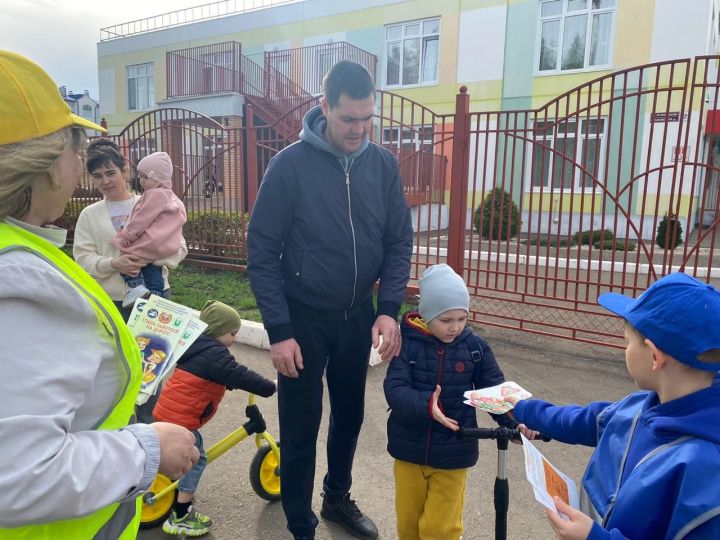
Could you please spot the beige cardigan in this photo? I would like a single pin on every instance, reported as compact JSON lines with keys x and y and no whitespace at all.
{"x":92,"y":249}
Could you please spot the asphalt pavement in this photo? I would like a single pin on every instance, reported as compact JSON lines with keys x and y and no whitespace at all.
{"x":560,"y":371}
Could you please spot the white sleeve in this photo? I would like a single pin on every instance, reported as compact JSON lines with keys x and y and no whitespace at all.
{"x":54,"y":464}
{"x":86,"y":251}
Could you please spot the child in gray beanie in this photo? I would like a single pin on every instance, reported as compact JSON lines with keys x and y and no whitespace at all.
{"x":441,"y":358}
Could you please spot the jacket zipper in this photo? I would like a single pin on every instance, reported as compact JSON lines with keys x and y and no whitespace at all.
{"x":438,"y":380}
{"x":352,"y":230}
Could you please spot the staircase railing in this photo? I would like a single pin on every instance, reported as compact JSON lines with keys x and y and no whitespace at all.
{"x":307,"y":65}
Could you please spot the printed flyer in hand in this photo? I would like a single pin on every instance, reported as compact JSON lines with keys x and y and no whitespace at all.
{"x":492,"y":398}
{"x":163,"y":330}
{"x":546,"y":480}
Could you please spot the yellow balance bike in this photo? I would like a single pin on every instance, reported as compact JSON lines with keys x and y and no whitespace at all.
{"x":264,"y":469}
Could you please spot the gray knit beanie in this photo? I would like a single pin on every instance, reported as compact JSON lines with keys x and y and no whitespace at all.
{"x":441,"y":289}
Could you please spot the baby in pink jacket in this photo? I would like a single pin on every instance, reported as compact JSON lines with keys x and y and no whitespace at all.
{"x":154,"y":229}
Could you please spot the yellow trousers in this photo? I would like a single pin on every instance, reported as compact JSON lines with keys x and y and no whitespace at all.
{"x":429,"y":502}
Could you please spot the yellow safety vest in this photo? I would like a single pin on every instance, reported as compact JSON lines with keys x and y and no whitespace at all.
{"x":118,"y":520}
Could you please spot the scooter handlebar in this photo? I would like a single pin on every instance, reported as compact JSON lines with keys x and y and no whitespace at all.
{"x":496,"y":433}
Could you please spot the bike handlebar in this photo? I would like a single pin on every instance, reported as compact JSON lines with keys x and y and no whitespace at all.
{"x":496,"y":433}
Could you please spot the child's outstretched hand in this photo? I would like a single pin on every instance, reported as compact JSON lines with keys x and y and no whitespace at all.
{"x":438,"y":415}
{"x":576,"y":527}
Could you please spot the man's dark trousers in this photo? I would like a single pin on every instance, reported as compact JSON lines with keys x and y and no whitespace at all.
{"x":337,"y":343}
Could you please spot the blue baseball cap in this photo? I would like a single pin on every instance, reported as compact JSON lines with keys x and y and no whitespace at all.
{"x":678,"y":313}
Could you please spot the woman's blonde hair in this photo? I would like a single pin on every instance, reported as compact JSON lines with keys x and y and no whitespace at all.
{"x":24,"y":163}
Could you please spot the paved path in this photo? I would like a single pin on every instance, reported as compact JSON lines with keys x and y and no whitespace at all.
{"x":557,"y":370}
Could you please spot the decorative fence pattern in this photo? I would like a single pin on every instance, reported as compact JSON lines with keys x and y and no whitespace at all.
{"x":606,"y":187}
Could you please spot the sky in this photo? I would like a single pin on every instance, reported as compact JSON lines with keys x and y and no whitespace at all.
{"x":62,"y":35}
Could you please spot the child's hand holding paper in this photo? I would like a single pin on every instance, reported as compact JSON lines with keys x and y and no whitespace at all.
{"x":496,"y":399}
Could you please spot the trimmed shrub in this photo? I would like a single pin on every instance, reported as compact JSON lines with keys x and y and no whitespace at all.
{"x":615,"y":244}
{"x":591,"y":237}
{"x":552,"y":242}
{"x":504,"y":226}
{"x":218,"y":236}
{"x":669,"y":229}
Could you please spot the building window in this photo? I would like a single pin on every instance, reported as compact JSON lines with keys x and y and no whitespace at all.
{"x":141,"y":87}
{"x":560,"y":148}
{"x":575,"y":34}
{"x":413,"y":138}
{"x":87,"y":112}
{"x":411,"y":52}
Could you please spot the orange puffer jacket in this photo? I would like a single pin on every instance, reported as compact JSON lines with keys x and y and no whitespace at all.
{"x":188,"y":400}
{"x":193,"y":394}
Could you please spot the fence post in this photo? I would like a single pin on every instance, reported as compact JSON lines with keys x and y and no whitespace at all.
{"x":458,"y":182}
{"x":252,"y":165}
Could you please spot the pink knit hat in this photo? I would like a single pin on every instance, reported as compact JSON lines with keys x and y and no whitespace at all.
{"x":158,"y":167}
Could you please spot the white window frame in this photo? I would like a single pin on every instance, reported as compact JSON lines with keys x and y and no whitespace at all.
{"x":577,"y":186}
{"x":414,"y":138}
{"x":561,"y":32}
{"x":149,"y":78}
{"x":422,"y":36}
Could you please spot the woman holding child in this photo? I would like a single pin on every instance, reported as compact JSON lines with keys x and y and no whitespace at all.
{"x":99,"y":223}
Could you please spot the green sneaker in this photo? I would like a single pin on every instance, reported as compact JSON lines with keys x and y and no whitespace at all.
{"x":191,"y":524}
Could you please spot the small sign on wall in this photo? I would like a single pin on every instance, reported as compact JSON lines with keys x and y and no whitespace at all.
{"x":680,"y":153}
{"x":667,"y":117}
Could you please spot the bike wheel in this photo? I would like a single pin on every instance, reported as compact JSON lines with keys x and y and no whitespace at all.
{"x":265,"y":474}
{"x":154,"y":514}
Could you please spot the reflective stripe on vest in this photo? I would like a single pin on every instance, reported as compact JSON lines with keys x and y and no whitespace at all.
{"x":116,"y":521}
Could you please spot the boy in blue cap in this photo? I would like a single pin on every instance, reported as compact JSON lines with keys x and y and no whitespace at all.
{"x":655,"y":472}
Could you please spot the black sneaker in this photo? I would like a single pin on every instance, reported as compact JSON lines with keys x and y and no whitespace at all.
{"x":308,"y":537}
{"x":345,"y":512}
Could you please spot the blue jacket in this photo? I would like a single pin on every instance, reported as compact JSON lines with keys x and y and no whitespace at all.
{"x":325,"y":227}
{"x":424,"y":362}
{"x":655,"y":472}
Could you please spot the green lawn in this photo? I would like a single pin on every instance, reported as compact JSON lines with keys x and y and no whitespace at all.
{"x":194,"y":285}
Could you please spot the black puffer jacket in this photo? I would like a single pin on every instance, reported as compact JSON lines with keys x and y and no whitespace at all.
{"x":410,"y":381}
{"x":325,"y":228}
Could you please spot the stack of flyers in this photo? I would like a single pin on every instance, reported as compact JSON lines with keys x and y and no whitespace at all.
{"x":492,"y":399}
{"x":163,"y":330}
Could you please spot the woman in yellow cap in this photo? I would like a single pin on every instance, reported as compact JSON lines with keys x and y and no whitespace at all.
{"x":72,"y":466}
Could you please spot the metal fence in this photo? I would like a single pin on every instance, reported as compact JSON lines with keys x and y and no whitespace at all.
{"x":306,"y":66}
{"x":606,"y":187}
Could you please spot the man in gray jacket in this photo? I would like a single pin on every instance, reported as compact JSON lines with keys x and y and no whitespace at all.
{"x":330,"y":220}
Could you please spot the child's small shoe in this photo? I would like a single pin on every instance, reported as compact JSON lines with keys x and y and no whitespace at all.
{"x":141,"y":291}
{"x":191,"y":524}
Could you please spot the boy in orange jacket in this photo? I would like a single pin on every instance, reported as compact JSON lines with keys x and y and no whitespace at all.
{"x":192,"y":396}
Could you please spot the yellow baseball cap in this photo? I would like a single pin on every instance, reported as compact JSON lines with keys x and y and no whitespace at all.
{"x":30,"y":102}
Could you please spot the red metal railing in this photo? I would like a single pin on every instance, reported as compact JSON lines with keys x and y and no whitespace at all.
{"x":541,"y":210}
{"x":306,"y":66}
{"x":581,"y":188}
{"x":209,"y":69}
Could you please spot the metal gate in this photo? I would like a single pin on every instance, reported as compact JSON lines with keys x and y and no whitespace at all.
{"x":606,"y":187}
